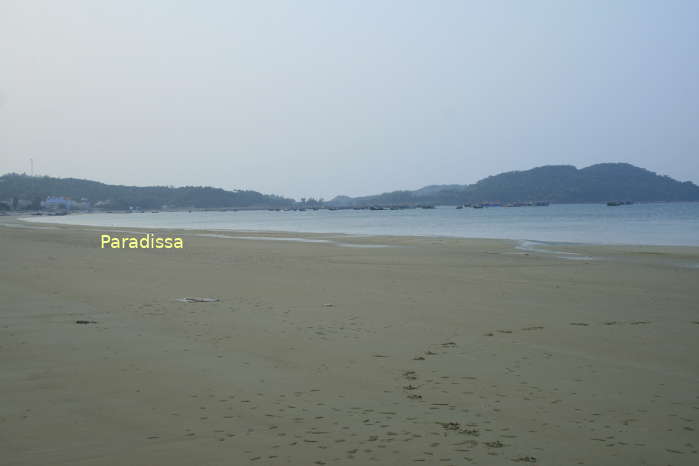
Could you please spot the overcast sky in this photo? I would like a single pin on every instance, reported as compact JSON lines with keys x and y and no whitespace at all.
{"x":319,"y":98}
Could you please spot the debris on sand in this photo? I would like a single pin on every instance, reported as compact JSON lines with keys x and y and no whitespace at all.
{"x":198,"y":300}
{"x":450,"y":425}
{"x":525,"y":459}
{"x":85,"y":321}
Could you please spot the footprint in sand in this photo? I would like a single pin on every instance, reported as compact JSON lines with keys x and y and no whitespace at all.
{"x":450,"y":425}
{"x":495,"y":444}
{"x":525,"y":459}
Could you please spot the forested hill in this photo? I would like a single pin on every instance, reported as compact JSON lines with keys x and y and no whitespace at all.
{"x":34,"y":188}
{"x":553,"y":183}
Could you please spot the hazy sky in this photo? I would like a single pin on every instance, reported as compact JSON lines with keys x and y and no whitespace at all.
{"x":318,"y":98}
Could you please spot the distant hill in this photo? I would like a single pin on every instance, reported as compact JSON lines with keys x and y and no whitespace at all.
{"x":552,"y":183}
{"x":34,"y":189}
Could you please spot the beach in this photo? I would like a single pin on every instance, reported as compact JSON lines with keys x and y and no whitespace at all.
{"x":420,"y":350}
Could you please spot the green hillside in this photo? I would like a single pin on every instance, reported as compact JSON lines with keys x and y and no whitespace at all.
{"x":121,"y":197}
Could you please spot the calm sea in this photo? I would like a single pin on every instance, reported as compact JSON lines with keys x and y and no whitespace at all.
{"x":652,"y":224}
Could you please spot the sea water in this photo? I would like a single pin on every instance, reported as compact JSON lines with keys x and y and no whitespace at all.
{"x":650,"y":224}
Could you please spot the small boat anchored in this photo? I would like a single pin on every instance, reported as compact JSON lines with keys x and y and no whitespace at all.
{"x":618,"y":203}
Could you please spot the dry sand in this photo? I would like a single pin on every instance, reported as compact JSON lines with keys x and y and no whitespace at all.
{"x":322,"y":354}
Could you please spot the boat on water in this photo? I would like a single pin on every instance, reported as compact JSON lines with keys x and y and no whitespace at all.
{"x":618,"y":203}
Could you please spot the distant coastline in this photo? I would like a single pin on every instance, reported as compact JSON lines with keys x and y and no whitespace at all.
{"x":615,"y":183}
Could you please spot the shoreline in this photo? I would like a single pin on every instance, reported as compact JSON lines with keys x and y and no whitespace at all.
{"x":682,"y":256}
{"x":286,"y":233}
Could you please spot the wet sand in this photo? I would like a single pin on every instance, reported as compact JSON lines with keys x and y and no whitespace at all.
{"x":431,"y":351}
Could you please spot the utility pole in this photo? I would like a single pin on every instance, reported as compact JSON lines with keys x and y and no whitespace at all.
{"x":31,"y":166}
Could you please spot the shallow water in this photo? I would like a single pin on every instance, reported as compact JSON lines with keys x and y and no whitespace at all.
{"x":652,"y":224}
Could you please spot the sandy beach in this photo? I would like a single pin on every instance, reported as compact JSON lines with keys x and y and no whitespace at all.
{"x":427,"y":351}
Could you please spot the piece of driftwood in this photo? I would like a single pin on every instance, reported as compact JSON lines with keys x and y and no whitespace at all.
{"x":198,"y":300}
